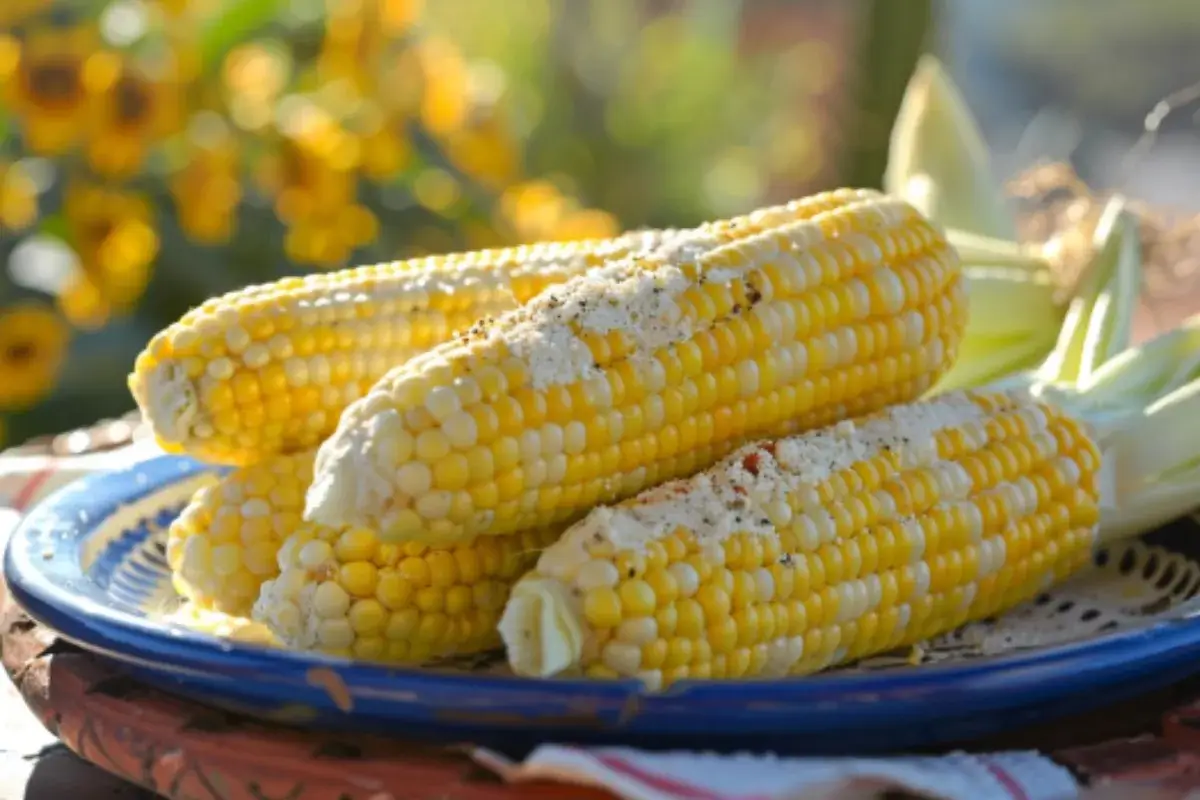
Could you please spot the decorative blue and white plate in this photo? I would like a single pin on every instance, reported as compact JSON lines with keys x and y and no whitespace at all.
{"x":89,"y":563}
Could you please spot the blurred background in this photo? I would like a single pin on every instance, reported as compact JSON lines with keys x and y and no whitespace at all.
{"x":156,"y":152}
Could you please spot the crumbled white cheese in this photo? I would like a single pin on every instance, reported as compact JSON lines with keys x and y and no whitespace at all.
{"x":621,"y":295}
{"x":722,"y":275}
{"x":349,"y":483}
{"x":739,"y":493}
{"x":169,"y":400}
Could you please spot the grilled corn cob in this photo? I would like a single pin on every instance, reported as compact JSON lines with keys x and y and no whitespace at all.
{"x":796,"y":554}
{"x":650,"y":368}
{"x":344,"y":592}
{"x":269,"y":368}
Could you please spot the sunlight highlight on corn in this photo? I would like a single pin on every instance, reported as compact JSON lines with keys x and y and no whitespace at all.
{"x":650,"y":368}
{"x":797,"y":554}
{"x":344,"y":592}
{"x":269,"y":368}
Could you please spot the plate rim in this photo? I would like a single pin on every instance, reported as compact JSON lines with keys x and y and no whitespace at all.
{"x":82,"y":619}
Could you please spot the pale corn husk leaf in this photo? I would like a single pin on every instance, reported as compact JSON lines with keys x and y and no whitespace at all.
{"x":938,"y":160}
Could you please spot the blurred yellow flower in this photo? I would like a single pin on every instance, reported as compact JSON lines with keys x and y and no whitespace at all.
{"x":253,"y":75}
{"x":33,"y":345}
{"x":397,"y":16}
{"x":328,"y":240}
{"x":113,"y":233}
{"x":353,"y":44}
{"x":587,"y":223}
{"x":206,"y":188}
{"x":486,"y":150}
{"x":385,"y":148}
{"x":43,"y":80}
{"x":538,"y":211}
{"x":131,"y":108}
{"x":400,"y":72}
{"x":18,"y":198}
{"x":532,"y":206}
{"x":358,"y":34}
{"x":314,"y":171}
{"x":445,"y":96}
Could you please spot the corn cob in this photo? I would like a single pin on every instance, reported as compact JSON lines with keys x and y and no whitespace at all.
{"x":343,"y":592}
{"x":340,"y":591}
{"x":225,"y":543}
{"x":648,"y":369}
{"x":797,"y":554}
{"x":269,"y":368}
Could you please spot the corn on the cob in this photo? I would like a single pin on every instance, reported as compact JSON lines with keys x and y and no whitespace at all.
{"x":269,"y":368}
{"x":344,"y":592}
{"x":648,"y":369}
{"x":796,"y":554}
{"x":240,"y":550}
{"x":225,"y":543}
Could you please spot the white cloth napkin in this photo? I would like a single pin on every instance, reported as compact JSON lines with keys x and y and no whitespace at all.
{"x":636,"y":775}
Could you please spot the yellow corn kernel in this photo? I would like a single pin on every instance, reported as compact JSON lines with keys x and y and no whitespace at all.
{"x":268,"y":369}
{"x":794,"y":593}
{"x":345,"y":589}
{"x":765,"y":314}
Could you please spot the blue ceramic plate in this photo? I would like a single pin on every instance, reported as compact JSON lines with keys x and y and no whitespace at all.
{"x":89,"y":563}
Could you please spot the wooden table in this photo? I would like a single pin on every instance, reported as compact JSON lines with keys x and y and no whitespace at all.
{"x":34,"y":765}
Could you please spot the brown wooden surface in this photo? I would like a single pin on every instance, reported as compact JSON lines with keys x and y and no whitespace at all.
{"x":34,"y":765}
